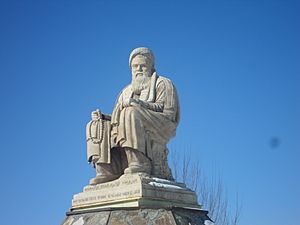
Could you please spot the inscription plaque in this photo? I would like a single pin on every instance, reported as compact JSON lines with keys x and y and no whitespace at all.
{"x":130,"y":188}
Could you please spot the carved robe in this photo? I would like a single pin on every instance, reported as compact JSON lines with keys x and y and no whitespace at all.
{"x":152,"y":122}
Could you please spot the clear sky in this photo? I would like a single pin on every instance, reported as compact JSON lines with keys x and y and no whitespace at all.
{"x":235,"y":63}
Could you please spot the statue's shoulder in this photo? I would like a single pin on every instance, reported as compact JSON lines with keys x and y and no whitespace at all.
{"x":165,"y":80}
{"x":126,"y":89}
{"x":124,"y":93}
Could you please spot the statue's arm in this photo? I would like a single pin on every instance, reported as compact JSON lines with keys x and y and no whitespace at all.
{"x":158,"y":105}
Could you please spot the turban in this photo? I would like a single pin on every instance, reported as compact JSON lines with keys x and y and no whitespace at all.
{"x":142,"y":51}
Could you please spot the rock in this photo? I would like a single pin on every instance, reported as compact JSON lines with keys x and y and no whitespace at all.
{"x":147,"y":216}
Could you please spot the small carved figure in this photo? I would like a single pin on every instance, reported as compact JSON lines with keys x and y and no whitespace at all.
{"x":134,"y":138}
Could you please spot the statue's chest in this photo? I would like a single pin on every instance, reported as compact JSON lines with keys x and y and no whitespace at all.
{"x":144,"y":95}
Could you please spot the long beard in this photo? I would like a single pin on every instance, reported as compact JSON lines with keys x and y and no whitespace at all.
{"x":140,"y":83}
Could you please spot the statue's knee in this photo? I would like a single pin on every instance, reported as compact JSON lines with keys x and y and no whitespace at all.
{"x":132,"y":111}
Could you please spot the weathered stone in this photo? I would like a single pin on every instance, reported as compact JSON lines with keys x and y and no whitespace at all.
{"x":183,"y":216}
{"x":135,"y":190}
{"x":99,"y":218}
{"x":174,"y":216}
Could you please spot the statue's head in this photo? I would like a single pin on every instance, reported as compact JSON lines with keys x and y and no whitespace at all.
{"x":141,"y":62}
{"x":142,"y":57}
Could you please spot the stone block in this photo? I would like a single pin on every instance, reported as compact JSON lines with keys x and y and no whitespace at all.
{"x":173,"y":216}
{"x":131,"y":191}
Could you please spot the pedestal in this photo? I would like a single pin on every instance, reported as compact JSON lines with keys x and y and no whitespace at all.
{"x":135,"y":191}
{"x":173,"y":216}
{"x":136,"y":200}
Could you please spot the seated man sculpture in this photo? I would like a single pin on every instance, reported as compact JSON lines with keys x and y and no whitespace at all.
{"x":134,"y":138}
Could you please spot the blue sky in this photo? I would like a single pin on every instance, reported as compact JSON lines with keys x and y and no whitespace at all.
{"x":235,"y":64}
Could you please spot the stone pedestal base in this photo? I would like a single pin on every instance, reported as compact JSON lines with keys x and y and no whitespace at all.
{"x":135,"y":191}
{"x":174,"y":216}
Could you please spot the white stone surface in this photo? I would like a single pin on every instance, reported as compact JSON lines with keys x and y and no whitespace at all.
{"x":144,"y":119}
{"x":162,"y":185}
{"x":79,"y":222}
{"x":135,"y":190}
{"x":208,"y":222}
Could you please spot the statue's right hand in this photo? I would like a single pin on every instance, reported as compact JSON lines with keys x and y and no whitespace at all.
{"x":126,"y":102}
{"x":94,"y":160}
{"x":95,"y":115}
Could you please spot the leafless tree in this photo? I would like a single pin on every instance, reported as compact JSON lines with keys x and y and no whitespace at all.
{"x":211,"y":192}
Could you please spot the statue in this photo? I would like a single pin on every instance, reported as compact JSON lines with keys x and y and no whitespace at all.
{"x":134,"y":138}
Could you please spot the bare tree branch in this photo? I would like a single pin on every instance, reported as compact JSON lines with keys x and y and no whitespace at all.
{"x":211,"y":193}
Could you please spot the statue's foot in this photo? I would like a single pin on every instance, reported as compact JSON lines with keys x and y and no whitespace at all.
{"x":138,"y":168}
{"x":137,"y":162}
{"x":102,"y":179}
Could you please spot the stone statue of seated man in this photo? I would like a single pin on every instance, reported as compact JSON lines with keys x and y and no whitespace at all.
{"x":134,"y":138}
